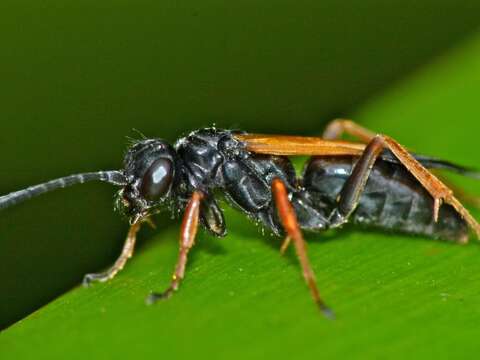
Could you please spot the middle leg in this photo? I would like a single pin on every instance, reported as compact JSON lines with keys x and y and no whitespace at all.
{"x":290,"y":224}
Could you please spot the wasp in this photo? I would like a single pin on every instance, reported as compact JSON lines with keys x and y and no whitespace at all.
{"x":375,"y":182}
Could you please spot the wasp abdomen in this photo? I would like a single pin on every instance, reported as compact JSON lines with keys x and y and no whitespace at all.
{"x":392,"y":199}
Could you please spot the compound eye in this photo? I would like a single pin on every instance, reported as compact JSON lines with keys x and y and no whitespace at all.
{"x":156,"y":181}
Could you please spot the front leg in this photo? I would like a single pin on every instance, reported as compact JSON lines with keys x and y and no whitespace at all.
{"x":188,"y":232}
{"x":127,"y":253}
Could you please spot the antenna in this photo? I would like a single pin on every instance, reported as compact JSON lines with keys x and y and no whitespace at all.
{"x":114,"y":177}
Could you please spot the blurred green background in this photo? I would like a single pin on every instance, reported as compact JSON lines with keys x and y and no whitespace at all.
{"x":76,"y":78}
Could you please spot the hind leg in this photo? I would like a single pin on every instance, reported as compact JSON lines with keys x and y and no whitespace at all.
{"x":350,"y":194}
{"x":437,"y":189}
{"x":336,"y":128}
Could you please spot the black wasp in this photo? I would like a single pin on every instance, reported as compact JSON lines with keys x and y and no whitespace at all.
{"x":375,"y":182}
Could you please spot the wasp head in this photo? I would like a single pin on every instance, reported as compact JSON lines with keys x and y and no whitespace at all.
{"x":150,"y":172}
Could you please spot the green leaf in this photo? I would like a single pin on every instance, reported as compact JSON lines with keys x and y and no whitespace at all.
{"x":395,"y":296}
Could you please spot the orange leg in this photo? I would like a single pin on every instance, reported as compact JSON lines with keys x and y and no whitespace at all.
{"x":188,"y":232}
{"x":285,"y":244}
{"x":290,"y":224}
{"x":127,"y":253}
{"x":377,"y":143}
{"x":464,"y":196}
{"x":336,"y":128}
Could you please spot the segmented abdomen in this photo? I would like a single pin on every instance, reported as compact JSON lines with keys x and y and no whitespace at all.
{"x":393,"y":199}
